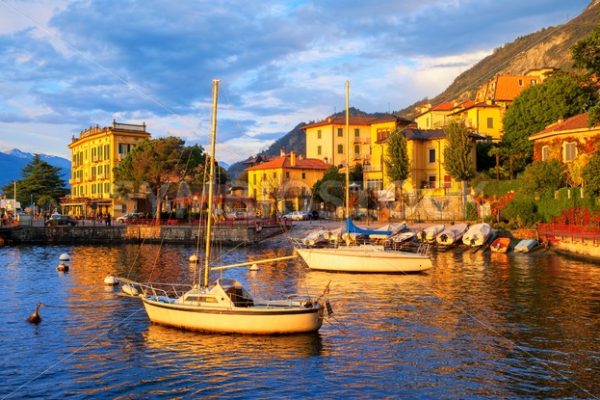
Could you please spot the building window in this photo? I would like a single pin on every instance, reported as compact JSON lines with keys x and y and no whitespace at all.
{"x":356,"y":149}
{"x":432,"y":182}
{"x":303,"y":175}
{"x":287,"y":174}
{"x":340,"y":149}
{"x":533,"y":82}
{"x":274,"y":174}
{"x":431,"y":155}
{"x":490,"y":123}
{"x":107,"y":187}
{"x":356,"y":132}
{"x":569,"y":151}
{"x":520,"y":82}
{"x":319,"y":150}
{"x":545,"y":153}
{"x":319,"y":134}
{"x":447,"y":181}
{"x":254,"y":179}
{"x":340,"y":132}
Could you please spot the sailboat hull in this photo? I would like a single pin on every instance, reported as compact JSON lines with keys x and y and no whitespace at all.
{"x":364,"y":260}
{"x":257,"y":320}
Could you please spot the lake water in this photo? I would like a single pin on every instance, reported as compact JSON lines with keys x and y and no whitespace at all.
{"x":476,"y":326}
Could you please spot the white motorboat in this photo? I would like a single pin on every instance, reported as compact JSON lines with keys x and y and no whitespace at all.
{"x":225,"y":306}
{"x":477,"y":235}
{"x":451,"y":234}
{"x":430,"y":233}
{"x":363,"y":259}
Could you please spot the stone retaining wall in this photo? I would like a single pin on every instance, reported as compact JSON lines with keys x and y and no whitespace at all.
{"x":227,"y":234}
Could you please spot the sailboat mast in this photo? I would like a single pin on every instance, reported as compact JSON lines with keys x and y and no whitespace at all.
{"x":347,"y":149}
{"x":213,"y":134}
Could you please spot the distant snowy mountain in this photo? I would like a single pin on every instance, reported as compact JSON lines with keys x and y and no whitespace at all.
{"x":13,"y":161}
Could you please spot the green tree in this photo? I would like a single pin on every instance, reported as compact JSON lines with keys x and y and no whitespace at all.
{"x":543,"y":177}
{"x":39,"y":180}
{"x":458,"y":156}
{"x":591,"y":174}
{"x":330,"y":189}
{"x":156,"y":164}
{"x":397,"y":164}
{"x":536,"y":107}
{"x":586,"y":52}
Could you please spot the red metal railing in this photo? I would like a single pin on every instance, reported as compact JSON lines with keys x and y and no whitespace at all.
{"x":574,"y":231}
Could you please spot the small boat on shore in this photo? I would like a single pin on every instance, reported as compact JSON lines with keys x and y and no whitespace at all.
{"x":500,"y":245}
{"x":430,"y":233}
{"x":477,"y":235}
{"x":451,"y":234}
{"x":314,"y":238}
{"x":403,"y":237}
{"x":526,"y":245}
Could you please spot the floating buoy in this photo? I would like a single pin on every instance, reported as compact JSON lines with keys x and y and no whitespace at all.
{"x":64,"y":257}
{"x":254,"y":267}
{"x":111,"y":281}
{"x":130,"y":290}
{"x":62,"y":267}
{"x":35,"y":318}
{"x":193,"y":259}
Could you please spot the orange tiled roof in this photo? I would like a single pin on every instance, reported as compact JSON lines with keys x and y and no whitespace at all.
{"x":508,"y":87}
{"x":579,"y":121}
{"x":446,"y":106}
{"x":285,"y":162}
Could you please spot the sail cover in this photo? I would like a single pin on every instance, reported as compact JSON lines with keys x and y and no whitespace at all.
{"x":351,"y":228}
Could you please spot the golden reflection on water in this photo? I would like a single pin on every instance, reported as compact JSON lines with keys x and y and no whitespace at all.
{"x":219,"y":349}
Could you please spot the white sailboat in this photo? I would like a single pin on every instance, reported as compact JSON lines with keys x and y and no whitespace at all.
{"x":225,"y":306}
{"x":366,"y":258}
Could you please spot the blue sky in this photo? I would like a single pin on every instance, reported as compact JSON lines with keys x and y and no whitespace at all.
{"x":65,"y":66}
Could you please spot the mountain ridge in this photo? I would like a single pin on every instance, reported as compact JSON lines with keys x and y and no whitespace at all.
{"x":12,"y":162}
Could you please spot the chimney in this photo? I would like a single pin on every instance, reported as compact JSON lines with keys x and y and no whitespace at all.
{"x":282,"y":152}
{"x":293,"y":158}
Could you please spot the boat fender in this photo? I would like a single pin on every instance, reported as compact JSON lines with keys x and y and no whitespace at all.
{"x":258,"y":226}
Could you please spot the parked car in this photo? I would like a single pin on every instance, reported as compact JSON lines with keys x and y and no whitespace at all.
{"x":231,"y":215}
{"x":59,"y":219}
{"x":314,"y":214}
{"x":130,"y":217}
{"x":297,"y":216}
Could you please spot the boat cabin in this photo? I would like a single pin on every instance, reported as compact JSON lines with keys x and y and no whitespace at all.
{"x":222,"y":293}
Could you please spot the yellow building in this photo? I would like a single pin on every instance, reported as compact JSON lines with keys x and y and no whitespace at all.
{"x":484,"y":118}
{"x":435,"y":117}
{"x":284,"y":183}
{"x":425,"y":149}
{"x":326,"y":140}
{"x":94,"y":155}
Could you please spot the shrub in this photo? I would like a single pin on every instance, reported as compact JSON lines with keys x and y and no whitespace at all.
{"x":521,"y":212}
{"x":472,"y":214}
